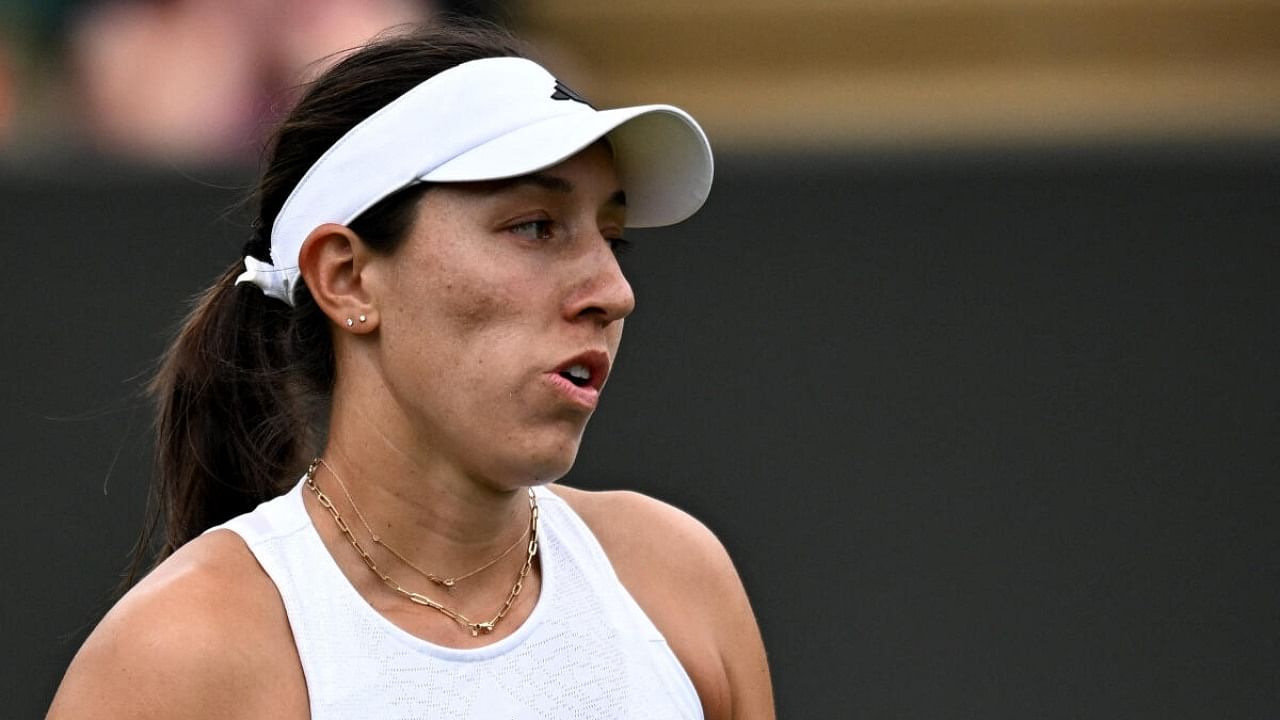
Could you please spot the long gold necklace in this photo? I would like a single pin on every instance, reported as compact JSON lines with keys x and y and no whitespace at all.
{"x":445,"y":582}
{"x":475,"y":627}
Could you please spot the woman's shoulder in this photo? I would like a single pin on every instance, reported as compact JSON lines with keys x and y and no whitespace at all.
{"x":680,"y":574}
{"x":637,"y":530}
{"x":205,"y":626}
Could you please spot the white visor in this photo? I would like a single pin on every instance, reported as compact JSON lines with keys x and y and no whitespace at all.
{"x":487,"y":120}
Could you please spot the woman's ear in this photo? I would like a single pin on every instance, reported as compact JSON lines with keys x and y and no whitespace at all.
{"x":332,"y":260}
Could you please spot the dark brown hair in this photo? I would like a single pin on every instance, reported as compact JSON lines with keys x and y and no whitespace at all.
{"x":243,"y":392}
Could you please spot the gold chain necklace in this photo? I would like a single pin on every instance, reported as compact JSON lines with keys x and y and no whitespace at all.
{"x":445,"y":582}
{"x":475,"y":627}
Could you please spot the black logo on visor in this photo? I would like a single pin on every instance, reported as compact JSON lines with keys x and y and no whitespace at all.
{"x":564,"y":92}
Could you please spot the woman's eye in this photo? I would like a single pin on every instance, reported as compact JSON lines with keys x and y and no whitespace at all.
{"x":533,"y":229}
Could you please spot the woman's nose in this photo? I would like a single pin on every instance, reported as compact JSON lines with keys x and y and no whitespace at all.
{"x":604,"y":292}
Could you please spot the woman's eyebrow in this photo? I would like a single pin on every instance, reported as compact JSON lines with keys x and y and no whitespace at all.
{"x":544,"y":181}
{"x":556,"y":184}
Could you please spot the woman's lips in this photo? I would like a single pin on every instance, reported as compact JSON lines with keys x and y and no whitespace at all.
{"x":595,"y":365}
{"x":582,"y":377}
{"x":585,"y":396}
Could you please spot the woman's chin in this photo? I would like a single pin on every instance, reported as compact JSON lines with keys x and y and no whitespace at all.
{"x":531,"y":456}
{"x":539,"y":466}
{"x":551,"y":469}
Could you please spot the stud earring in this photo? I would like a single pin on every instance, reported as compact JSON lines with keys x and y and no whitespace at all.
{"x":350,"y":322}
{"x":363,"y":318}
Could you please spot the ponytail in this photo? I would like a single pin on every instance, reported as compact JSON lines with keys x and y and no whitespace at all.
{"x":240,"y":396}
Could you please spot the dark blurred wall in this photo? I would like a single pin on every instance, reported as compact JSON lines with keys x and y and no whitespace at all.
{"x":988,"y":434}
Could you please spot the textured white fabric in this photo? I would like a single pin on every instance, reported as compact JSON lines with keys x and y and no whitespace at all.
{"x":586,"y":651}
{"x":487,"y":120}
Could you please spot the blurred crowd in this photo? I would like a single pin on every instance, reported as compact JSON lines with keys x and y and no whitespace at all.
{"x":185,"y":81}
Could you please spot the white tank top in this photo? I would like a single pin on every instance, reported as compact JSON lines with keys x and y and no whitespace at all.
{"x":586,"y":651}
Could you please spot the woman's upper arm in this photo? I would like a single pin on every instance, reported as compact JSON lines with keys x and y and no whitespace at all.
{"x":742,"y":648}
{"x":141,"y":662}
{"x":192,"y":640}
{"x":737,"y":634}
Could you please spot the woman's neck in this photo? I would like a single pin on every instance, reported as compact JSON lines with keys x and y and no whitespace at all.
{"x":416,"y":501}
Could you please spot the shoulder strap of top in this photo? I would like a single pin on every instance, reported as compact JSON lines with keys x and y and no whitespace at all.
{"x":280,"y":516}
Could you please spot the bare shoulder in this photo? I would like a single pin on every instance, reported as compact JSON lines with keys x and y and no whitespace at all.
{"x":635,"y":528}
{"x":683,"y":578}
{"x":201,"y":636}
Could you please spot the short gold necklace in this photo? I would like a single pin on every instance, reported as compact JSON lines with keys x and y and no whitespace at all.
{"x":475,"y":627}
{"x":445,"y":582}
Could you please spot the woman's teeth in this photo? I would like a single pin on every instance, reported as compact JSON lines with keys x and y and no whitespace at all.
{"x":578,"y":375}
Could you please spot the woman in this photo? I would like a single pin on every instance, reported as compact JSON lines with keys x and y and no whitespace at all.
{"x":423,"y":323}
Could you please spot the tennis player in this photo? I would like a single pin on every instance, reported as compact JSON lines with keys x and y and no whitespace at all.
{"x":362,"y":421}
